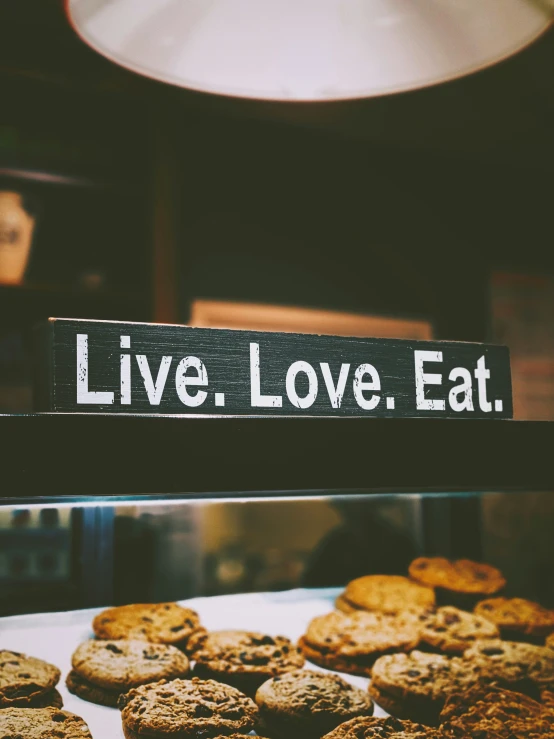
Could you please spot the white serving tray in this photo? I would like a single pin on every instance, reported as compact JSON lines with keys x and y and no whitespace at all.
{"x":55,"y":636}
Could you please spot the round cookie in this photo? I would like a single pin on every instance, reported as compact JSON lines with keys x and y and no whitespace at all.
{"x":51,"y":699}
{"x":517,"y":618}
{"x":308,"y":704}
{"x":42,"y":723}
{"x":527,"y":668}
{"x":186,"y":708}
{"x":24,"y":679}
{"x":457,"y":582}
{"x":162,"y":623}
{"x":415,"y":686}
{"x":388,"y":593}
{"x":352,"y":643}
{"x":91,"y":693}
{"x":243,"y":659}
{"x":365,"y":727}
{"x":452,"y":631}
{"x":495,"y":712}
{"x":119,"y":665}
{"x":341,"y":604}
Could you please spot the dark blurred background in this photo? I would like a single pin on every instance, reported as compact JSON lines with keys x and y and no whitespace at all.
{"x":150,"y":196}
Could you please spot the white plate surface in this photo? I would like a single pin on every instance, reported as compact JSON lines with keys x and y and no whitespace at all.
{"x":55,"y":636}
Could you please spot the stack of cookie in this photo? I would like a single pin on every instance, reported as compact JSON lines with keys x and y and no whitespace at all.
{"x":415,"y":686}
{"x":243,"y":659}
{"x":161,"y":623}
{"x":352,"y":643}
{"x":480,"y":713}
{"x":389,"y":594}
{"x":431,"y":580}
{"x":187,"y":709}
{"x":104,"y":670}
{"x":528,"y":668}
{"x":382,"y":728}
{"x":27,"y":682}
{"x":452,"y":631}
{"x":517,"y":618}
{"x":41,"y":723}
{"x":495,"y":713}
{"x":306,"y":704}
{"x":459,"y":583}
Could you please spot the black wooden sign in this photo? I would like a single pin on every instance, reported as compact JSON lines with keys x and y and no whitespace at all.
{"x":99,"y":367}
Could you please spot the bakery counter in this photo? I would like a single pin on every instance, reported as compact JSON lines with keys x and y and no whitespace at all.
{"x":53,"y":637}
{"x":442,"y":670}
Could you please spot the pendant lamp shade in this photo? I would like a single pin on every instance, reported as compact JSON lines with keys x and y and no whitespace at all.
{"x":308,"y":50}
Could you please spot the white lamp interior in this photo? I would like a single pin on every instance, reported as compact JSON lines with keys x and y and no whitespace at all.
{"x":307,"y":49}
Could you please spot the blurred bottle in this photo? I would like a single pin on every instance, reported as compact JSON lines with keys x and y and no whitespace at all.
{"x":17,"y":226}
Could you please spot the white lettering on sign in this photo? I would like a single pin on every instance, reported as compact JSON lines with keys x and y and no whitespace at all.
{"x":182,"y":381}
{"x":460,"y":397}
{"x":84,"y":395}
{"x":293,"y":396}
{"x":336,"y":394}
{"x":361,"y":386}
{"x":125,"y":371}
{"x":422,"y":379}
{"x":257,"y":400}
{"x":482,"y":374}
{"x":463,"y":389}
{"x":154,"y":391}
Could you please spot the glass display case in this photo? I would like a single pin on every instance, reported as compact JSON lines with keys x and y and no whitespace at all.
{"x":259,"y":523}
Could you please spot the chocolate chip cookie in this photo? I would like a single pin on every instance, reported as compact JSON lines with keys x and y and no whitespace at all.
{"x":187,"y":709}
{"x":457,"y":583}
{"x":90,"y":692}
{"x":365,"y":727}
{"x":51,"y":699}
{"x":161,"y":623}
{"x":525,"y":667}
{"x":307,"y":704}
{"x":243,"y":659}
{"x":41,"y":723}
{"x":517,"y":618}
{"x":414,"y":686}
{"x":102,"y":670}
{"x":495,"y":713}
{"x":386,"y":593}
{"x":352,"y":643}
{"x":25,"y":681}
{"x":453,"y":631}
{"x":126,"y":663}
{"x":341,"y":604}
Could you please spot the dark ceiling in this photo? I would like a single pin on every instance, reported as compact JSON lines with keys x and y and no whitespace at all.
{"x":506,"y":112}
{"x":371,"y":202}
